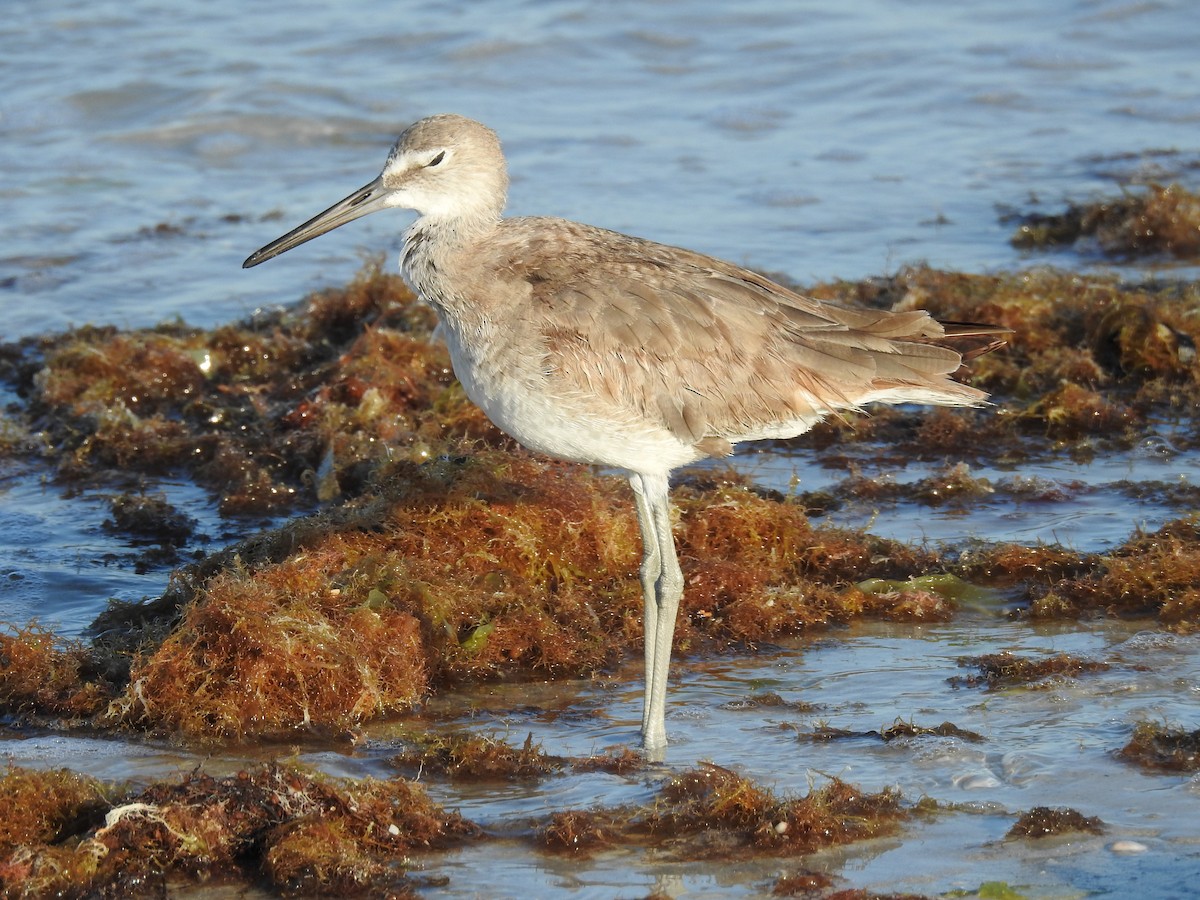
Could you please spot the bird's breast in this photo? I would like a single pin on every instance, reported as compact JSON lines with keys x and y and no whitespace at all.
{"x":506,"y":376}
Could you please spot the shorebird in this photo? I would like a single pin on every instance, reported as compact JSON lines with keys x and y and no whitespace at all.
{"x":594,"y":346}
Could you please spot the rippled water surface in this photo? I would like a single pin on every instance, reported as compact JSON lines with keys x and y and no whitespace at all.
{"x":808,"y":138}
{"x":146,"y":148}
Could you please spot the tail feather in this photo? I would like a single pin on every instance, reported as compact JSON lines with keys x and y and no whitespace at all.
{"x":972,"y":339}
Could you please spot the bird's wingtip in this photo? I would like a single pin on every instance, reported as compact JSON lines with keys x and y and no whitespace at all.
{"x":974,"y":339}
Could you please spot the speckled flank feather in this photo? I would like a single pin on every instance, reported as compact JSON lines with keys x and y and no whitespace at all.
{"x":692,"y":353}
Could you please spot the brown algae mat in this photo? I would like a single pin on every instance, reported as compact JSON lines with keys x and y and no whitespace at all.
{"x":444,"y":553}
{"x":298,"y":833}
{"x":425,"y":550}
{"x":301,"y":834}
{"x":1158,"y":220}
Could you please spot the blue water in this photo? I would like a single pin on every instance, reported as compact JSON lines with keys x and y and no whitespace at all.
{"x":813,"y":139}
{"x":146,"y":148}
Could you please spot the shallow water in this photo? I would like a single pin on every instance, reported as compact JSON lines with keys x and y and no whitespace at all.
{"x":1042,"y":747}
{"x":1047,"y":746}
{"x":146,"y":149}
{"x":1081,"y":503}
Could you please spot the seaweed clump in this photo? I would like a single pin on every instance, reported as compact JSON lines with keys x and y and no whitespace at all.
{"x":711,"y":812}
{"x":478,"y":758}
{"x":1089,"y":363}
{"x":807,"y":883}
{"x":755,"y":568}
{"x":494,"y":565}
{"x":1164,"y":219}
{"x":999,"y":670}
{"x":439,"y":577}
{"x":281,"y":410}
{"x":1163,"y":748}
{"x":42,"y":675}
{"x":267,"y":655}
{"x":896,"y":731}
{"x":1042,"y":821}
{"x":150,"y":518}
{"x":1150,"y":574}
{"x":801,"y":884}
{"x":302,"y":834}
{"x":1008,"y":565}
{"x":45,"y":807}
{"x":621,"y":762}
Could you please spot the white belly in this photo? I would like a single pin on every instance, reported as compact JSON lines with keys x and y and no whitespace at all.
{"x":520,"y":400}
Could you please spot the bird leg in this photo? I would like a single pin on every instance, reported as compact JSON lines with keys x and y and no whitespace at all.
{"x":662,"y":589}
{"x":651,"y":569}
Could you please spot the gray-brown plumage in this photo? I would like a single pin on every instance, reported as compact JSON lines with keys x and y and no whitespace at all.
{"x":594,"y":346}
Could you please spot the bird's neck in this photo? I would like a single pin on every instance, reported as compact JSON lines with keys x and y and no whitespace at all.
{"x":433,"y":249}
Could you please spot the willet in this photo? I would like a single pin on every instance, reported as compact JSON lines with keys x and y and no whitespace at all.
{"x":594,"y":346}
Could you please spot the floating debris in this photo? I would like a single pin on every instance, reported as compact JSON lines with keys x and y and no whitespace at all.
{"x":1127,"y":846}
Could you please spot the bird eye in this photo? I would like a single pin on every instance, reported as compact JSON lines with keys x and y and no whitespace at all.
{"x":437,"y":159}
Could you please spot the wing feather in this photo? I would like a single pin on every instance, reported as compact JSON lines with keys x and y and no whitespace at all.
{"x":713,"y":352}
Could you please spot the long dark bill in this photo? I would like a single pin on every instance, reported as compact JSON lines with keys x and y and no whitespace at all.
{"x":367,"y":199}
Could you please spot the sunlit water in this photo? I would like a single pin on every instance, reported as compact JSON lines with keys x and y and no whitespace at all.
{"x":1086,"y":504}
{"x":808,"y":138}
{"x":146,"y":149}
